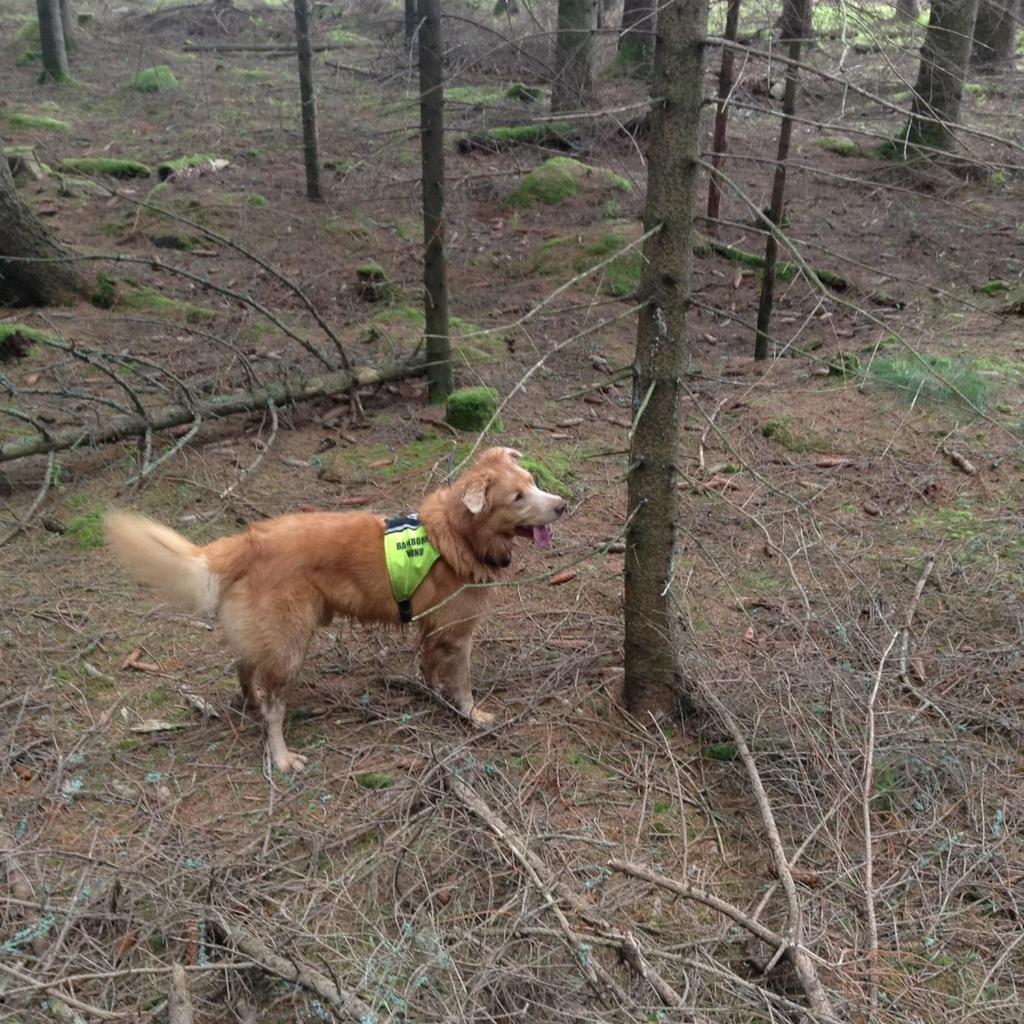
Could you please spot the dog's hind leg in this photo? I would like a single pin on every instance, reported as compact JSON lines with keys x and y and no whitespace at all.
{"x":285,"y":760}
{"x":248,"y":696}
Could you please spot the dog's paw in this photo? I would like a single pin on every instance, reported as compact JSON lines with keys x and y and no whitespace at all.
{"x":290,"y":763}
{"x":482,"y":719}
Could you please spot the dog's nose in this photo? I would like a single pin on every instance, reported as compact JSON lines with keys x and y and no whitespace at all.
{"x":560,"y":507}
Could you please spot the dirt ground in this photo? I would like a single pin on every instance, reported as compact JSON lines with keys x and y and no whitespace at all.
{"x":876,"y":454}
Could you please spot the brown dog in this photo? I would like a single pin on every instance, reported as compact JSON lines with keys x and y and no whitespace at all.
{"x":273,"y":585}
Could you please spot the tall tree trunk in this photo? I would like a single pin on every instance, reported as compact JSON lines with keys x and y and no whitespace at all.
{"x":573,"y":86}
{"x":720,"y":143}
{"x":995,"y":35}
{"x":23,"y":235}
{"x":795,"y":16}
{"x":654,"y":679}
{"x":908,"y":9}
{"x":636,"y":36}
{"x":435,"y":259}
{"x":51,"y":39}
{"x":940,"y":75}
{"x":310,"y":140}
{"x":67,"y":24}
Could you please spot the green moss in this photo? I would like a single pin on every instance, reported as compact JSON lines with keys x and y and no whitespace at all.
{"x":783,"y":432}
{"x":846,"y":364}
{"x":721,"y":751}
{"x":342,"y":37}
{"x":256,"y":200}
{"x":561,"y":178}
{"x":37,"y":122}
{"x":182,"y":243}
{"x":840,"y":145}
{"x":472,"y":409}
{"x":375,"y":780}
{"x":26,"y":58}
{"x":152,"y":301}
{"x":372,"y":283}
{"x":97,"y":165}
{"x":533,"y":133}
{"x":620,"y":278}
{"x":105,"y":295}
{"x":183,"y":163}
{"x":553,"y":473}
{"x":29,"y":33}
{"x":13,"y":329}
{"x":156,"y":79}
{"x":87,"y":529}
{"x":477,"y":95}
{"x":524,"y":93}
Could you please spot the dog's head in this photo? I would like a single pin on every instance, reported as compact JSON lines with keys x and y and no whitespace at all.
{"x":504,"y":501}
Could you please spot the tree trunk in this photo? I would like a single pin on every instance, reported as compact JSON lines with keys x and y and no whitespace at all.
{"x":573,"y":86}
{"x":654,"y":679}
{"x":23,"y":235}
{"x":720,"y":144}
{"x":435,"y":259}
{"x":67,"y":24}
{"x":795,"y":16}
{"x":908,"y":9}
{"x":995,"y":35}
{"x":940,"y":76}
{"x":51,"y":40}
{"x":310,"y":142}
{"x":636,"y":36}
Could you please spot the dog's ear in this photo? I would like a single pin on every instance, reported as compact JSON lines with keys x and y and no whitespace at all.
{"x":474,"y":497}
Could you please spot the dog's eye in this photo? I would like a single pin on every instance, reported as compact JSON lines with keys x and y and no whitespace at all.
{"x":518,"y":496}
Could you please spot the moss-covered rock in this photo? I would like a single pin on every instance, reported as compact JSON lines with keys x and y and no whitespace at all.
{"x":97,"y":165}
{"x":472,"y":409}
{"x":552,"y":473}
{"x":37,"y":122}
{"x":372,"y":283}
{"x":152,"y":301}
{"x":169,"y":168}
{"x":561,"y":178}
{"x":156,"y":79}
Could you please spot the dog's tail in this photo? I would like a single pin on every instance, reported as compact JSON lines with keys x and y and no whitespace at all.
{"x":156,"y":555}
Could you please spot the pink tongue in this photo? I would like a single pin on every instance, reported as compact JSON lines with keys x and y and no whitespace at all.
{"x":542,"y":536}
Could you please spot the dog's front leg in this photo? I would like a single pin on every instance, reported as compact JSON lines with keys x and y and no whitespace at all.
{"x":445,"y":657}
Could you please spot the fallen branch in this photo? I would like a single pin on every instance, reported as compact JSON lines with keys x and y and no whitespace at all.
{"x":262,"y":48}
{"x":784,"y":270}
{"x":134,"y":425}
{"x":595,"y":973}
{"x":794,"y":950}
{"x":299,"y":973}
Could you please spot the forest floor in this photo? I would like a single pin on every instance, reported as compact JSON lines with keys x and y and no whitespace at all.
{"x":877,"y":450}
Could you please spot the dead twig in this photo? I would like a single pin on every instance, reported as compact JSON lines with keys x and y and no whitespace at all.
{"x":179,"y":1002}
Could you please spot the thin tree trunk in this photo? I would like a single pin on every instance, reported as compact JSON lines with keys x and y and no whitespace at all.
{"x":720,"y":143}
{"x":940,"y":75}
{"x":23,"y":235}
{"x":636,"y":36}
{"x":51,"y":39}
{"x":310,"y":141}
{"x":67,"y":24}
{"x":995,"y":35}
{"x":435,"y":259}
{"x":573,"y":86}
{"x":121,"y":427}
{"x":653,"y":675}
{"x":410,"y":22}
{"x":908,"y":9}
{"x":795,"y":17}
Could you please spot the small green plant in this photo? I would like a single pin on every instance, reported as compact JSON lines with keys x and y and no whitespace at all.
{"x":934,"y":378}
{"x":105,"y":295}
{"x":783,"y":432}
{"x":375,"y":780}
{"x":87,"y":529}
{"x":372,"y":283}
